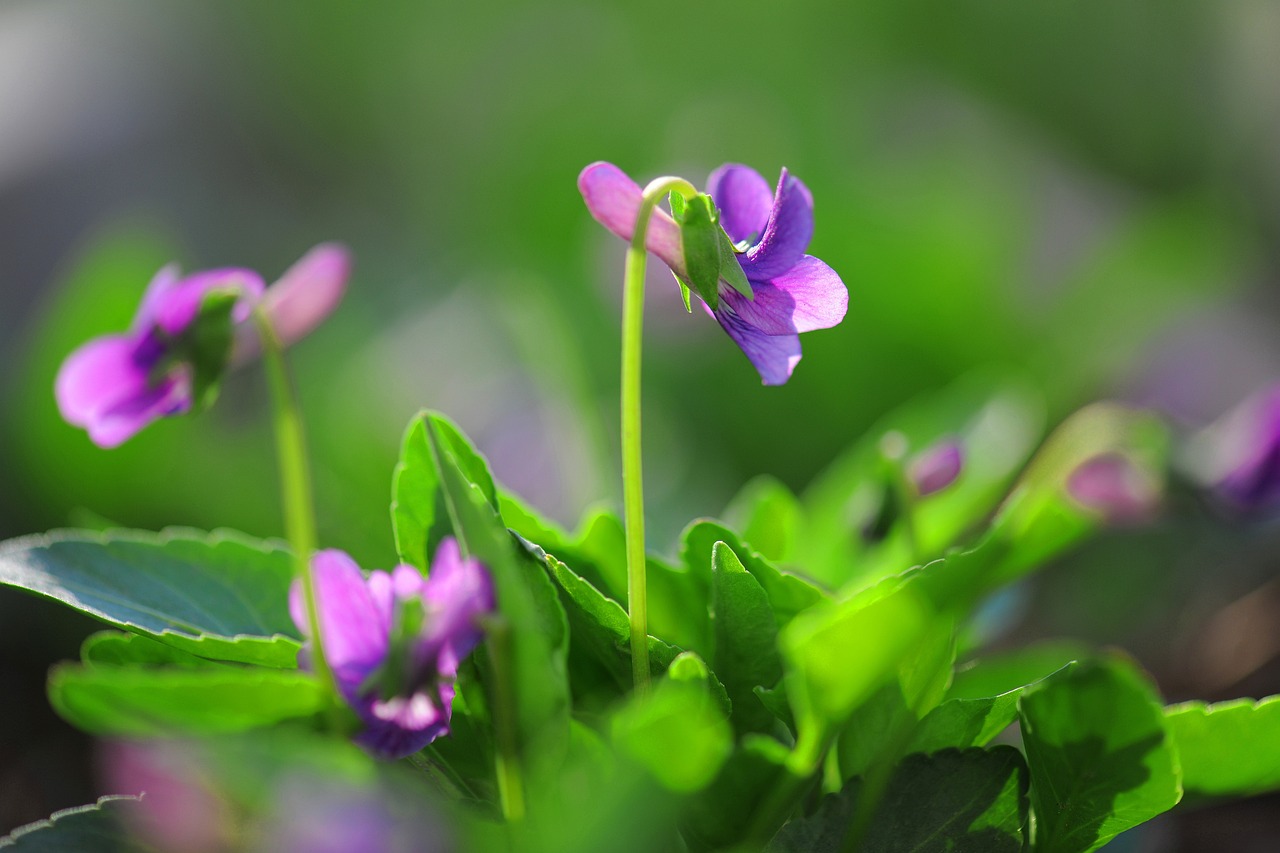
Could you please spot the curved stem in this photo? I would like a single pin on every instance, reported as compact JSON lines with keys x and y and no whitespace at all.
{"x":632,"y":485}
{"x":295,"y":482}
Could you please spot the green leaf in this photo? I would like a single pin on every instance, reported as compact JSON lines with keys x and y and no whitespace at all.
{"x":601,"y":629}
{"x":218,"y":595}
{"x":746,"y":652}
{"x":788,"y":594}
{"x":115,"y":648}
{"x":730,"y":269}
{"x":419,"y":518}
{"x":1100,"y":754}
{"x":970,"y":801}
{"x":1229,"y":748}
{"x":768,"y":515}
{"x":98,"y":828}
{"x":962,"y":723}
{"x":136,"y":701}
{"x":678,"y":732}
{"x":206,"y":344}
{"x":720,"y":815}
{"x":686,"y":294}
{"x":997,"y":420}
{"x":701,"y":245}
{"x":531,"y":634}
{"x":837,"y":655}
{"x":995,"y":674}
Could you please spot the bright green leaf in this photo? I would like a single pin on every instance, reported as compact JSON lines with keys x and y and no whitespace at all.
{"x":136,"y":701}
{"x":746,"y":654}
{"x":1229,"y":748}
{"x":115,"y":648}
{"x":1100,"y":754}
{"x":768,"y":515}
{"x":218,"y":595}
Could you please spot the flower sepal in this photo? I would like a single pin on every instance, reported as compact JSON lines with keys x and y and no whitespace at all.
{"x":205,"y":345}
{"x":709,"y":255}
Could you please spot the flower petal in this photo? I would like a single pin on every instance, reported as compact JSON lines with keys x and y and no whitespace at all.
{"x":774,"y":356}
{"x":397,"y":727}
{"x":458,"y":592}
{"x":106,"y":387}
{"x":175,"y":307}
{"x":744,"y":201}
{"x":161,"y":283}
{"x":299,"y":300}
{"x":786,"y":236}
{"x":614,"y":200}
{"x":808,"y":296}
{"x":354,"y":630}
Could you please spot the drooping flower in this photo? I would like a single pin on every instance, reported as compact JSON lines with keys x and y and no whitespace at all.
{"x":394,"y":640}
{"x":115,"y":385}
{"x":792,"y":292}
{"x":936,"y":467}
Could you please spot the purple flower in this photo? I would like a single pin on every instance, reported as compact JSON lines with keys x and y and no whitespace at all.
{"x":793,"y":292}
{"x":936,"y":468}
{"x":394,"y":641}
{"x":1115,"y":487}
{"x":1244,"y":454}
{"x":115,"y":385}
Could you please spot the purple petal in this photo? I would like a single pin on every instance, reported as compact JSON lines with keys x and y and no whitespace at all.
{"x":1115,"y":487}
{"x":458,"y":593}
{"x":161,"y":284}
{"x":106,"y":387}
{"x":774,"y":356}
{"x":401,"y":726}
{"x":614,"y":200}
{"x":301,"y":299}
{"x":354,"y":630}
{"x":744,"y":201}
{"x":176,"y":306}
{"x":1247,"y":454}
{"x":787,"y":235}
{"x":808,"y":296}
{"x":936,"y":468}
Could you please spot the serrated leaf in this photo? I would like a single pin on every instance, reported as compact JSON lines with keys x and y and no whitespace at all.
{"x":116,"y":648}
{"x":222,"y":595}
{"x":970,"y":801}
{"x":788,"y":594}
{"x":746,"y":652}
{"x":535,"y":637}
{"x":1100,"y":755}
{"x":700,"y":243}
{"x":1228,"y":748}
{"x":992,"y":675}
{"x":97,"y":828}
{"x":962,"y":723}
{"x":137,"y":701}
{"x":730,"y":269}
{"x":419,"y":518}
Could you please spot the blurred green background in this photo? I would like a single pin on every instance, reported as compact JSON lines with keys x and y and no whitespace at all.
{"x":1086,"y":191}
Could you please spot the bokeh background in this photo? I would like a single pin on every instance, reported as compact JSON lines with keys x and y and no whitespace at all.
{"x":1087,"y":192}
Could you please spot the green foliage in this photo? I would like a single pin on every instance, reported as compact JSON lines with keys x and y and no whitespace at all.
{"x":746,"y":655}
{"x":769,"y":516}
{"x":221,"y":596}
{"x":133,"y":701}
{"x":1228,"y":748}
{"x":959,"y":800}
{"x":98,"y":828}
{"x":1101,"y":757}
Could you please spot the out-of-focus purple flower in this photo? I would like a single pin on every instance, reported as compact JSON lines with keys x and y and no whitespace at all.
{"x":179,"y":812}
{"x":115,"y":385}
{"x":319,"y":815}
{"x":394,"y":640}
{"x":936,"y":467}
{"x":1243,"y":450}
{"x":1115,"y":487}
{"x":792,"y":292}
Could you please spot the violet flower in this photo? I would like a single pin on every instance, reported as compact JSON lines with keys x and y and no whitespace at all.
{"x":115,"y":385}
{"x":1115,"y":487}
{"x":394,"y":641}
{"x":1242,"y":453}
{"x":793,"y":292}
{"x":936,"y":467}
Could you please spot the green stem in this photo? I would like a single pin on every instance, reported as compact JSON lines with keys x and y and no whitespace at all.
{"x":893,"y":450}
{"x":632,"y":485}
{"x":507,"y":758}
{"x":295,"y":482}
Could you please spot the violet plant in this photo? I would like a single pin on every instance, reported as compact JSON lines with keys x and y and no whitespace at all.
{"x":810,"y":673}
